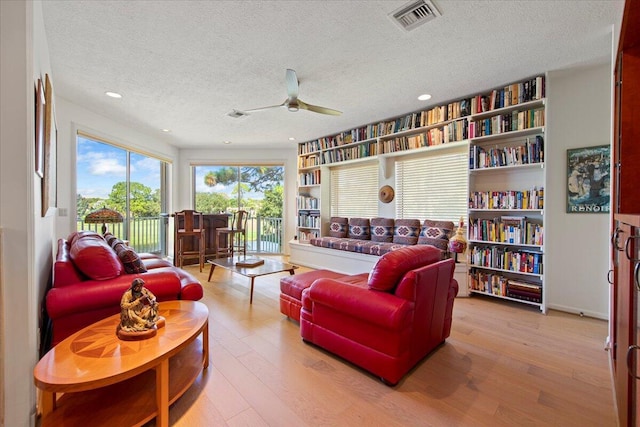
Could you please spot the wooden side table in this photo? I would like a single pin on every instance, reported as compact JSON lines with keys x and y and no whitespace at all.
{"x":109,"y":382}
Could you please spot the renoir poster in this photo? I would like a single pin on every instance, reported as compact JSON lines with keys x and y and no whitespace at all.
{"x":588,"y":179}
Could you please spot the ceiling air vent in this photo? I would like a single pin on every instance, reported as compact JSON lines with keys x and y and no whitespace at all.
{"x":414,"y":14}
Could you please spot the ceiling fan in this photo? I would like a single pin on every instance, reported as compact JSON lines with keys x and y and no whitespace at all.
{"x":292,"y":102}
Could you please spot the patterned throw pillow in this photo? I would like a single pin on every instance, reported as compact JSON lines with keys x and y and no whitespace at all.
{"x":382,"y":229}
{"x":359,"y":229}
{"x":130,"y":259}
{"x":406,"y":231}
{"x":436,"y":233}
{"x":338,"y":226}
{"x":110,"y":238}
{"x":117,"y":244}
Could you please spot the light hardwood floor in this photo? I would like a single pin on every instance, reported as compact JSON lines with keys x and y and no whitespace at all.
{"x":503,"y":365}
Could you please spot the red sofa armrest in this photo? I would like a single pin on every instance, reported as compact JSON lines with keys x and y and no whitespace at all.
{"x":379,"y":308}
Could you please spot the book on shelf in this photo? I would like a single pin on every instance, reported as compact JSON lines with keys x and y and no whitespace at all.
{"x":531,"y":151}
{"x":509,"y":199}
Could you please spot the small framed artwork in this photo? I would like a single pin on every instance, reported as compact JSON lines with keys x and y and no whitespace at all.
{"x":40,"y":124}
{"x":49,"y":194}
{"x":589,"y":179}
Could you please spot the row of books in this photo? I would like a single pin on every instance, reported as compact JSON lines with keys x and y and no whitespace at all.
{"x":524,"y":291}
{"x":456,"y":130}
{"x":305,"y":236}
{"x":308,"y":161}
{"x":515,"y":120}
{"x":307,"y":202}
{"x":510,"y":95}
{"x":451,"y":132}
{"x":520,"y":261}
{"x":309,"y":218}
{"x":512,"y":199}
{"x":530,"y":152}
{"x":309,"y":178}
{"x":350,"y":153}
{"x":507,"y":229}
{"x":517,"y":93}
{"x":497,"y":284}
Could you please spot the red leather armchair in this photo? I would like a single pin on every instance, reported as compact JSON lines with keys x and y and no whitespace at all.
{"x":391,"y":321}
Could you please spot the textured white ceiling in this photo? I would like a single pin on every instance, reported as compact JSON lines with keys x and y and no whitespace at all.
{"x":183,"y":65}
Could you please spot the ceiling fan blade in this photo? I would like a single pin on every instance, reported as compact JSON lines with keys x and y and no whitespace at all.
{"x":292,"y":84}
{"x":264,"y":108}
{"x":317,"y":109}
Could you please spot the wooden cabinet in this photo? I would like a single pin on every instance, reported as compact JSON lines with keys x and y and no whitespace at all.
{"x":625,"y":350}
{"x":211,"y":223}
{"x":623,"y":323}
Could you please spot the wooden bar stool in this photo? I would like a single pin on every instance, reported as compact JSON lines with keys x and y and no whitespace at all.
{"x":236,"y":236}
{"x":185,"y":225}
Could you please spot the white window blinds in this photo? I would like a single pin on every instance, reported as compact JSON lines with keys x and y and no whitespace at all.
{"x":433,"y":187}
{"x":354,"y":191}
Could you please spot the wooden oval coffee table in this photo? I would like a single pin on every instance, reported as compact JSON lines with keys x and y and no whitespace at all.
{"x":109,"y":382}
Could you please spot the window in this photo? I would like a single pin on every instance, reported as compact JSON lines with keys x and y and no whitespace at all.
{"x":433,"y":187}
{"x":354,"y":191}
{"x":130,"y":183}
{"x":257,"y":189}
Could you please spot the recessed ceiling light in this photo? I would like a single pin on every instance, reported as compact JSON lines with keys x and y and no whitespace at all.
{"x":113,"y":94}
{"x":166,"y":130}
{"x":292,"y":139}
{"x":226,"y":142}
{"x":424,"y":97}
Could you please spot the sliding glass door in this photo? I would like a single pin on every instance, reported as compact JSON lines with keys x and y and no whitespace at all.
{"x":130,"y":183}
{"x":255,"y":189}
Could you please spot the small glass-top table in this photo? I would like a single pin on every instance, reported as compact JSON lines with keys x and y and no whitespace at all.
{"x":268,"y":267}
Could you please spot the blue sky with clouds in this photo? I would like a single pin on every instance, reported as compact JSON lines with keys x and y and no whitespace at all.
{"x":100,"y":166}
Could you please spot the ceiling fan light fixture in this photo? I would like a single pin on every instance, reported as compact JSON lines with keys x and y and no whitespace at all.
{"x":292,"y":103}
{"x":293,"y":106}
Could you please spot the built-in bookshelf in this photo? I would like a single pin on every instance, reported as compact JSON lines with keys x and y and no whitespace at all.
{"x":506,"y":203}
{"x":308,"y":209}
{"x":504,"y":131}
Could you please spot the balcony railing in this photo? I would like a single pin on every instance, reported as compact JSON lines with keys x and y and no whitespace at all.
{"x":149,"y":234}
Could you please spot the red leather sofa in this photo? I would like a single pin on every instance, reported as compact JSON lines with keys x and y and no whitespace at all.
{"x":90,"y":277}
{"x":386,"y":321}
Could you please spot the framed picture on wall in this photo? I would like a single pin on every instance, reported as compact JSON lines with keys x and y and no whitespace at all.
{"x":49,"y":193}
{"x":588,"y":179}
{"x":39,"y":135}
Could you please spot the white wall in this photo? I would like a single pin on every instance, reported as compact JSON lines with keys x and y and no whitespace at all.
{"x":228,"y":155}
{"x":576,"y":245}
{"x":73,"y":118}
{"x":25,"y":265}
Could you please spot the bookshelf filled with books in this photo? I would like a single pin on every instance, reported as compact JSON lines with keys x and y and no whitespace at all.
{"x":512,"y":108}
{"x":503,"y":129}
{"x":308,"y":203}
{"x":506,"y":208}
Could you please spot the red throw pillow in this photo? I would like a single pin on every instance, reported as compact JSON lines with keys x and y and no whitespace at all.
{"x":393,"y":265}
{"x":95,"y":258}
{"x":82,"y":233}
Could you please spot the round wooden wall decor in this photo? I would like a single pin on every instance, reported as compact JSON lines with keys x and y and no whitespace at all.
{"x":386,"y":194}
